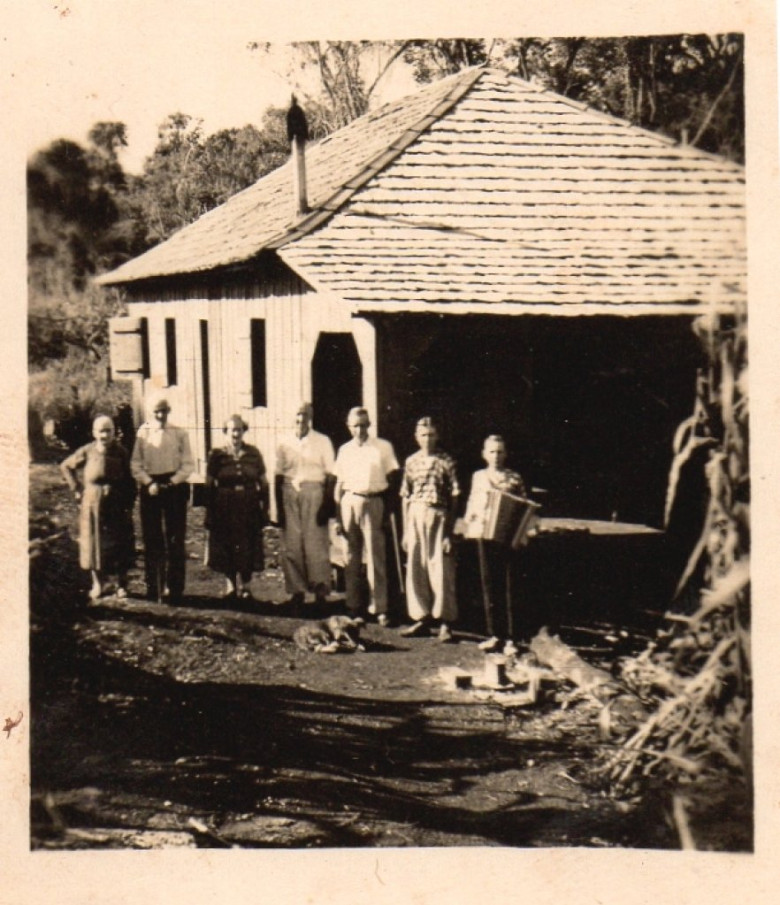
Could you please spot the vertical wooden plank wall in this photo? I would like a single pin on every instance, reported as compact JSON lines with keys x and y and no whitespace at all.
{"x":185,"y":398}
{"x":294,"y":319}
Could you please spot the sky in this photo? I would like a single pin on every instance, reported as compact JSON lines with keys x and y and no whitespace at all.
{"x":88,"y":64}
{"x":139,"y":61}
{"x":68,"y":64}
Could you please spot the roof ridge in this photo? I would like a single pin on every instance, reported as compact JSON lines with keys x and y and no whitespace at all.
{"x":463,"y":82}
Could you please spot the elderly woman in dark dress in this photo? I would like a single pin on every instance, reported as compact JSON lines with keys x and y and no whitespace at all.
{"x":237,"y":501}
{"x":99,"y":476}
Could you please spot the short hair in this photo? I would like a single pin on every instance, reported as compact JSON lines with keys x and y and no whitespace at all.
{"x":101,"y":420}
{"x":305,"y":408}
{"x":426,"y":421}
{"x":235,"y":419}
{"x":357,"y":412}
{"x":159,"y":404}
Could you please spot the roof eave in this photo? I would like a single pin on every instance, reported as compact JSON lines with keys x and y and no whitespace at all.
{"x":248,"y":269}
{"x":538,"y":309}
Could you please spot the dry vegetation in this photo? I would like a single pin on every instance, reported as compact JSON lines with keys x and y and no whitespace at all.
{"x":695,"y":678}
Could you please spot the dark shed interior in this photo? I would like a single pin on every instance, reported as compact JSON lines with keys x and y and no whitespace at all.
{"x":588,"y":405}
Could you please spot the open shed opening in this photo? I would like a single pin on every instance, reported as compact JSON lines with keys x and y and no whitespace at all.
{"x":588,"y":405}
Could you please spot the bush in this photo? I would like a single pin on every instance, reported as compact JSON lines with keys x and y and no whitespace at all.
{"x":72,"y":391}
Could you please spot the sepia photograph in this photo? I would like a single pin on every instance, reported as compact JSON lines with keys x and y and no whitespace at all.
{"x":388,"y":438}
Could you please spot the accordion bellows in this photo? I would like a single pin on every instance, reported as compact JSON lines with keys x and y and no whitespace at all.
{"x":508,"y":518}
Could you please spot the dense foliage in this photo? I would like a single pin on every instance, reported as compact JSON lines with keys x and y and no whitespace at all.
{"x":190,"y":173}
{"x":690,"y":87}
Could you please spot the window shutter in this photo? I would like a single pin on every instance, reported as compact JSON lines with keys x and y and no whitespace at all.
{"x":128,"y":347}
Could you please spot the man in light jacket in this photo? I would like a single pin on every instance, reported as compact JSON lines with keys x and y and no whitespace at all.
{"x":365,"y":468}
{"x":304,"y":501}
{"x":161,"y":463}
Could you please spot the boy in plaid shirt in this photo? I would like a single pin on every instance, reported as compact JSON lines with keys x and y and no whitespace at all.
{"x":430,"y":493}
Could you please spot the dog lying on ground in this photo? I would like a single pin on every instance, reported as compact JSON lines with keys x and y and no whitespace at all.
{"x":331,"y":635}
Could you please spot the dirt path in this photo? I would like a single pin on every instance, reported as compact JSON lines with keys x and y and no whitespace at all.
{"x":204,"y":725}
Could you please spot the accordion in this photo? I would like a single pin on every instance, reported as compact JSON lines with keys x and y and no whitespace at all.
{"x":508,"y":518}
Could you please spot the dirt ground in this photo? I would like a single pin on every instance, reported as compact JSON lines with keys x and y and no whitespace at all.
{"x":203,"y":725}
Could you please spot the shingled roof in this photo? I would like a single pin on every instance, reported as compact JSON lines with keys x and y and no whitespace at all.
{"x":261,"y":216}
{"x":484,"y":189}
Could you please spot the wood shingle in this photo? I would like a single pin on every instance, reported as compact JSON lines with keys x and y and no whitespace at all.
{"x":483,"y":189}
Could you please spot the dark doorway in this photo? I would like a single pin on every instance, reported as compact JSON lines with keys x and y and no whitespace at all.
{"x":337,"y":384}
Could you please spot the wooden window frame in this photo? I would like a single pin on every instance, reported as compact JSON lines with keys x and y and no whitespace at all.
{"x":258,"y":363}
{"x":171,"y":364}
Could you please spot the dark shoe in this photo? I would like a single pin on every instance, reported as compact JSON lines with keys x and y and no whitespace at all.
{"x":320,"y":607}
{"x":295,"y":604}
{"x":416,"y":629}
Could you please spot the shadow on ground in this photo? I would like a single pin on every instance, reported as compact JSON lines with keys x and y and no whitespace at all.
{"x":157,"y":726}
{"x":337,"y":770}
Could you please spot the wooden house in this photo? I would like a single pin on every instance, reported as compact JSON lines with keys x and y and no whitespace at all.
{"x":484,"y":251}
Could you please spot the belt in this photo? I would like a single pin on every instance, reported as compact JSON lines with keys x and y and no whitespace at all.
{"x":162,"y":478}
{"x":366,"y":495}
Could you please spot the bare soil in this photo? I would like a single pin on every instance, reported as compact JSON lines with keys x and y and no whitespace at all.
{"x":203,"y":725}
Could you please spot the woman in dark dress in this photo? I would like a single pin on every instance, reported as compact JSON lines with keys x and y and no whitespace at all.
{"x":237,"y":500}
{"x":99,"y":476}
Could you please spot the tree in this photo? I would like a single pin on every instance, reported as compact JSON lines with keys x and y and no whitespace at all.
{"x":233,"y":159}
{"x":106,"y":138}
{"x":347,"y":74}
{"x":167,"y":195}
{"x":77,"y":210}
{"x":68,"y":213}
{"x":689,"y":87}
{"x":188,"y":173}
{"x":433,"y":60}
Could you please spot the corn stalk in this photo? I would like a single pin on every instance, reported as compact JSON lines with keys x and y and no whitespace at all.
{"x":697,"y":676}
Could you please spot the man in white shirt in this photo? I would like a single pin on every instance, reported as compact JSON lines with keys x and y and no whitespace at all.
{"x":364,"y":467}
{"x":161,"y":463}
{"x":304,"y":498}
